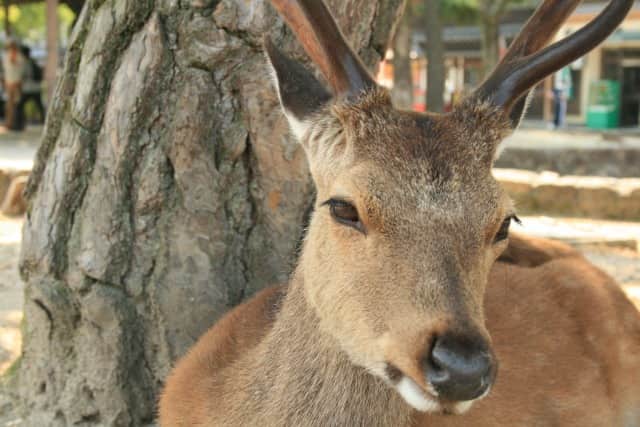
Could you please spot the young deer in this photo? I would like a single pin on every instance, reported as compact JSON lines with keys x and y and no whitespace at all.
{"x":383,"y":321}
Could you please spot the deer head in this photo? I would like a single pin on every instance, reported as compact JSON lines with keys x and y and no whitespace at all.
{"x":409,"y":219}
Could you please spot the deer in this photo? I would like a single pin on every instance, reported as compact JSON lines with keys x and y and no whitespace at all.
{"x":411,"y":303}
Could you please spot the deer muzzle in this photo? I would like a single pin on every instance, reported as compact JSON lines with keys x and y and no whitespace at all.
{"x":459,"y":368}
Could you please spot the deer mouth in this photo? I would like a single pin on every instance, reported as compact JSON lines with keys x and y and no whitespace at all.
{"x":426,"y":398}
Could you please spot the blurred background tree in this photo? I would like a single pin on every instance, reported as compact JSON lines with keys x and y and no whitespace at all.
{"x":402,"y":79}
{"x":432,"y":17}
{"x":435,"y":54}
{"x":490,"y":13}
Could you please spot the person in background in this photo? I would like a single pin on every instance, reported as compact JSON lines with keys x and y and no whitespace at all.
{"x":14,"y":66}
{"x":31,"y":87}
{"x":561,"y":94}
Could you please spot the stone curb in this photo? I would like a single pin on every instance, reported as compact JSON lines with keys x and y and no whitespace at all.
{"x":591,"y":197}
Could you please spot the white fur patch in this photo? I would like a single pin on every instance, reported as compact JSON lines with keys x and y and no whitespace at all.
{"x":483,"y":395}
{"x":414,"y":396}
{"x":298,"y":127}
{"x":462,"y":407}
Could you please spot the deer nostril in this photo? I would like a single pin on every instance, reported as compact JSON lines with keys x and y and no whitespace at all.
{"x":459,"y":369}
{"x":437,"y":373}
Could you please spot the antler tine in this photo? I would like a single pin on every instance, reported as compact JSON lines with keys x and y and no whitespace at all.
{"x":317,"y":31}
{"x":539,"y":29}
{"x":524,"y":65}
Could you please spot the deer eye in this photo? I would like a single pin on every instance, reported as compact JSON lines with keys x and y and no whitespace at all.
{"x":503,"y":232}
{"x":345,"y":213}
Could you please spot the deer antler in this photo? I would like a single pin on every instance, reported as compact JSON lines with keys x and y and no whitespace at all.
{"x":526,"y":63}
{"x":321,"y":38}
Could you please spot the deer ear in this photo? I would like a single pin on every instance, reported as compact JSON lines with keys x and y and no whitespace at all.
{"x":300,"y":93}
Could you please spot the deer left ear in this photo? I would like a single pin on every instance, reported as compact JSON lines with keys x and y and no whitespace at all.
{"x":300,"y":93}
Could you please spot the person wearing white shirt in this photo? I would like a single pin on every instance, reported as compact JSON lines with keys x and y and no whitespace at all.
{"x":561,"y":94}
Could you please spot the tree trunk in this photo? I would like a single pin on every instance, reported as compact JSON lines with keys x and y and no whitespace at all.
{"x":435,"y":57}
{"x":402,"y":82}
{"x":491,"y":13}
{"x":166,"y":190}
{"x":51,"y":66}
{"x":7,"y":23}
{"x":490,"y":42}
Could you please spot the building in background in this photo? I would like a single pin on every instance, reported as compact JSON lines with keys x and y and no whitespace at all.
{"x":463,"y":56}
{"x":616,"y":60}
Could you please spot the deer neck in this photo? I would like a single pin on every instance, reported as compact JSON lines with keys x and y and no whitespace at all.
{"x":304,"y":378}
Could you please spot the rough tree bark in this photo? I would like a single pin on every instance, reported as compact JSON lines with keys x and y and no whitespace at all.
{"x":166,"y":190}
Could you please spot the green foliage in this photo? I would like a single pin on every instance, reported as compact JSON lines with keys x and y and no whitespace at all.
{"x":454,"y":12}
{"x":31,"y":112}
{"x":29,"y":22}
{"x":460,"y":12}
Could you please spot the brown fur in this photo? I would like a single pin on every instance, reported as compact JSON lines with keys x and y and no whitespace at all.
{"x":528,"y":251}
{"x":566,"y":337}
{"x":319,"y":353}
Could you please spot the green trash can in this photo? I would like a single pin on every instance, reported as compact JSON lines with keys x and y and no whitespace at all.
{"x":603,"y":111}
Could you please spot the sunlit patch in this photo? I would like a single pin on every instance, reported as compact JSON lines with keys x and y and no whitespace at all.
{"x":633,"y":292}
{"x":10,"y":338}
{"x":10,"y":230}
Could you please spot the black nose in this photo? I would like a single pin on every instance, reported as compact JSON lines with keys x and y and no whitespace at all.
{"x":460,"y":368}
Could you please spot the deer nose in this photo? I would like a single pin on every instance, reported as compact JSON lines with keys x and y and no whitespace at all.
{"x":459,"y":368}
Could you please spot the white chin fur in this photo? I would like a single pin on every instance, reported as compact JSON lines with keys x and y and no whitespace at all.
{"x":462,"y":407}
{"x":415,"y":396}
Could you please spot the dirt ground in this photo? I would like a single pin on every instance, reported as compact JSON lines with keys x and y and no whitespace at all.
{"x":10,"y":291}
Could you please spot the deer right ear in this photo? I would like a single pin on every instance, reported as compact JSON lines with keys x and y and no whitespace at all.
{"x":300,"y":93}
